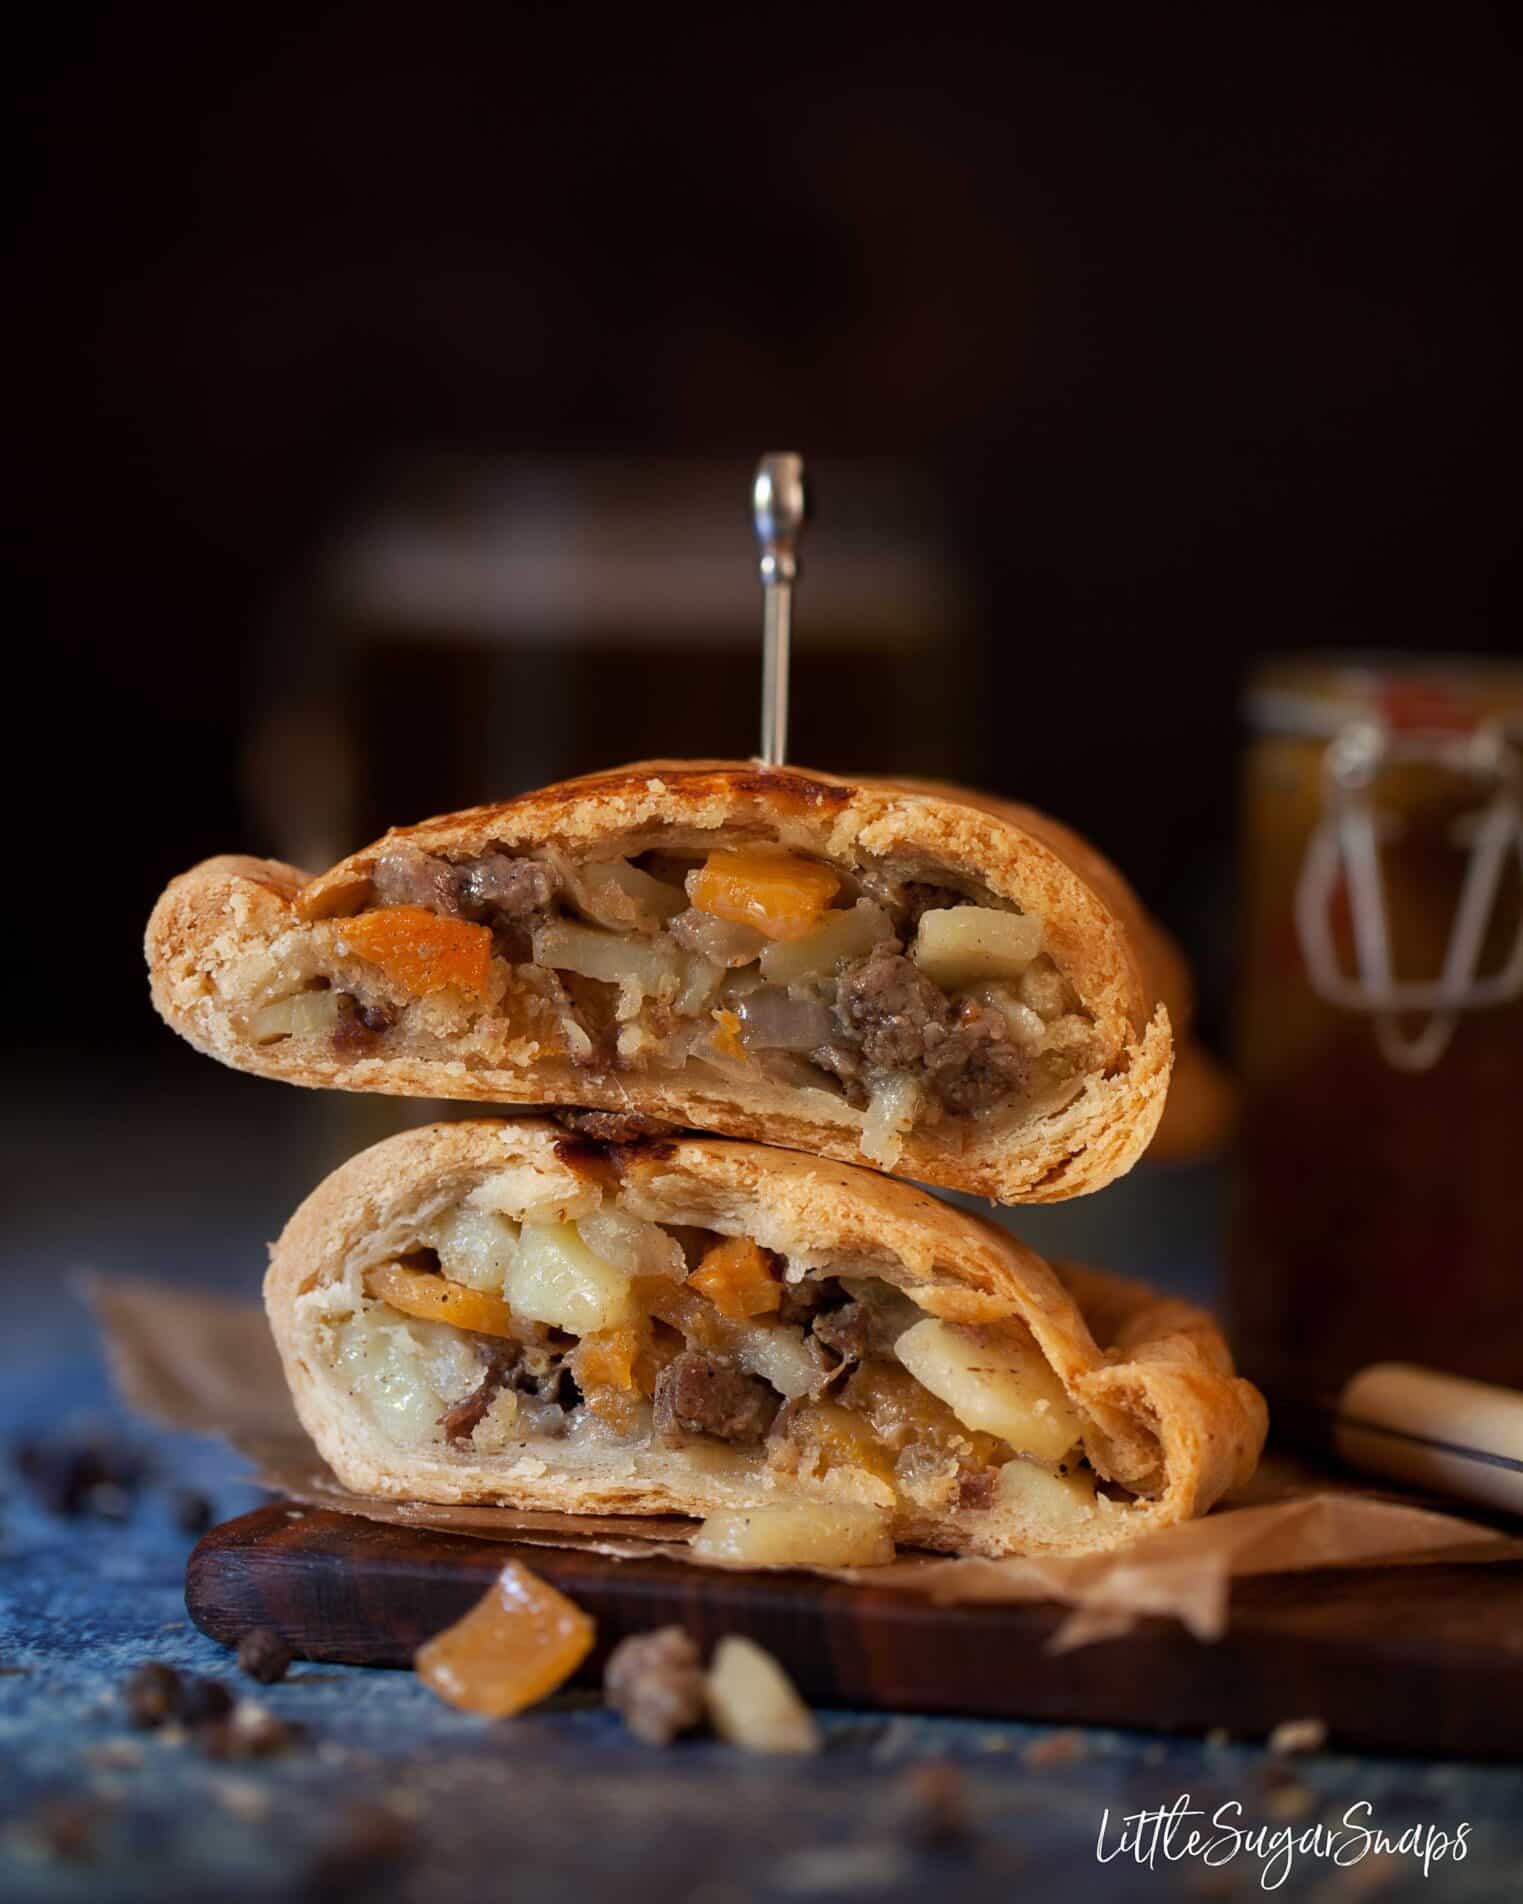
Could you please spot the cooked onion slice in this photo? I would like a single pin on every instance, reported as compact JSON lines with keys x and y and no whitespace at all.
{"x":652,"y":967}
{"x":890,"y":1113}
{"x":772,"y":1021}
{"x":305,"y":1015}
{"x":844,"y":935}
{"x":725,"y":942}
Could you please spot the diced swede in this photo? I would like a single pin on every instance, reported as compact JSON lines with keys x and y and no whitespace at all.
{"x":780,"y":894}
{"x":958,"y":945}
{"x":995,"y":1379}
{"x":556,"y":1279}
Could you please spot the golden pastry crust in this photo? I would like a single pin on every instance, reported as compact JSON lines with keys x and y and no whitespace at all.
{"x":1170,"y":1419}
{"x":213,"y":924}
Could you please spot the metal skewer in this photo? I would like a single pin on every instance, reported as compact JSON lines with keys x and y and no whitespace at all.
{"x":779,"y":507}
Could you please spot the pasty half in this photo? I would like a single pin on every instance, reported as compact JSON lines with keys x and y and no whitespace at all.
{"x":875,"y":973}
{"x":815,"y":1359}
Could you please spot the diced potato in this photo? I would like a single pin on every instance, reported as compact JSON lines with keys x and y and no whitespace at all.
{"x":437,"y":1299}
{"x":806,"y":1534}
{"x":475,"y":1247}
{"x":630,"y":1243}
{"x":737,"y":1278}
{"x":654,"y":968}
{"x":406,"y":1373}
{"x":305,"y":1015}
{"x":519,"y":1642}
{"x":777,"y":1353}
{"x":843,"y":935}
{"x":958,"y":945}
{"x":499,"y":1426}
{"x":421,"y":952}
{"x":1057,"y":1501}
{"x":780,"y":895}
{"x":556,"y":1279}
{"x":752,"y":1703}
{"x":994,"y":1379}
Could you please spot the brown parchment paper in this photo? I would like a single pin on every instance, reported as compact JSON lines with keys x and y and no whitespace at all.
{"x":207,"y":1363}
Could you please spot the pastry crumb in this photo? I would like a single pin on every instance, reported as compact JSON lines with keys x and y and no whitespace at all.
{"x":1294,"y":1736}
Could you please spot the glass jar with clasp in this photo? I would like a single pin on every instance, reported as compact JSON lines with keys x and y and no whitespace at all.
{"x":1378,"y":1207}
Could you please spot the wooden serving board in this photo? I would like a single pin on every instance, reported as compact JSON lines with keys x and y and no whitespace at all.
{"x":1419,"y":1658}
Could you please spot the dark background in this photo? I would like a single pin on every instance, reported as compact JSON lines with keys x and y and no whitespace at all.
{"x":1193,"y":319}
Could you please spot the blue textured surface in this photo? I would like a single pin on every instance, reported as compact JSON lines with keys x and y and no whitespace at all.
{"x":560,"y":1804}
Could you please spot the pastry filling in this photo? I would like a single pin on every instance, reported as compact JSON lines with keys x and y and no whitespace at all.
{"x":624,"y":1339}
{"x":906,"y":999}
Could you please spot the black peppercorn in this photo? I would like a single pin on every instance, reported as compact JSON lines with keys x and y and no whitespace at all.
{"x":264,"y":1655}
{"x":202,"y":1700}
{"x":152,"y":1693}
{"x":192,"y":1511}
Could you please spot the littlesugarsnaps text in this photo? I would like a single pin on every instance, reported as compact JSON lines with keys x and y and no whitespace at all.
{"x":1184,"y":1831}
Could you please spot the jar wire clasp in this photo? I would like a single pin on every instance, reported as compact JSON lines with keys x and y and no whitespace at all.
{"x":1344,"y":852}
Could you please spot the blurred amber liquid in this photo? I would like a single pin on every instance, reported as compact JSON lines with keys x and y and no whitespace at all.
{"x":1378,"y":1212}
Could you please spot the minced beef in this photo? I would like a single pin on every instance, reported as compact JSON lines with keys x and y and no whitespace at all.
{"x":847,"y":1330}
{"x":655,"y":1682}
{"x":975,"y":1065}
{"x":888,"y":1003}
{"x":904,"y":1022}
{"x":493,"y":887}
{"x":708,"y":1395}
